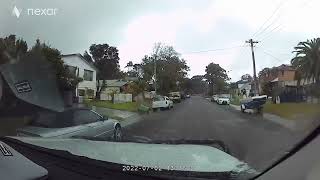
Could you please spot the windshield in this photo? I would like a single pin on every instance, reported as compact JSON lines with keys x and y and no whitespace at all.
{"x":245,"y":74}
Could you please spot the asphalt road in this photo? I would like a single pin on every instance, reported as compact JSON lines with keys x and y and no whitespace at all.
{"x":250,"y":138}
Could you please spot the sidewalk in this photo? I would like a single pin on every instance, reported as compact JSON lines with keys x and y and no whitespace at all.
{"x":237,"y":107}
{"x":295,"y":125}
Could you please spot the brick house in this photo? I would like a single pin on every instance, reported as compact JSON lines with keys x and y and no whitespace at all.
{"x":282,"y":83}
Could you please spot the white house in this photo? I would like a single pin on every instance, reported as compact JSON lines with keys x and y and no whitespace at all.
{"x":244,"y":86}
{"x":85,"y":70}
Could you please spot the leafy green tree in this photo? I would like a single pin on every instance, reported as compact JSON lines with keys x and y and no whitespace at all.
{"x":247,"y":78}
{"x":135,"y":88}
{"x":132,"y":69}
{"x":268,"y":74}
{"x":129,"y":65}
{"x":307,"y":59}
{"x":307,"y":64}
{"x":138,"y":71}
{"x":216,"y":77}
{"x":198,"y":84}
{"x":87,"y":57}
{"x":106,"y":59}
{"x":171,"y":68}
{"x":65,"y":79}
{"x":12,"y":49}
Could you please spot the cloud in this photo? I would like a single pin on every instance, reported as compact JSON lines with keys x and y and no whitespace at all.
{"x":189,"y":26}
{"x":141,"y":34}
{"x":222,"y":24}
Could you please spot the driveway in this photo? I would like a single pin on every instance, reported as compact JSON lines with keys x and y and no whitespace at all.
{"x":250,"y":138}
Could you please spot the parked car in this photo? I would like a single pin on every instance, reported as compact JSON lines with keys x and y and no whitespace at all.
{"x":72,"y":123}
{"x":223,"y":100}
{"x":162,"y":102}
{"x":214,"y":98}
{"x":175,"y":96}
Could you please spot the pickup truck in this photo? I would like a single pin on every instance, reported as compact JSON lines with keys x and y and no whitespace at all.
{"x":175,"y":96}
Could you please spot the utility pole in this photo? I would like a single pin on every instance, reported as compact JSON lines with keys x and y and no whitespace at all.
{"x":155,"y":69}
{"x":256,"y":86}
{"x":155,"y":74}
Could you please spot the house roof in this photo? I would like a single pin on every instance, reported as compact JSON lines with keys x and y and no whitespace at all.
{"x":114,"y":83}
{"x":242,"y":82}
{"x":82,"y":58}
{"x":286,"y":67}
{"x":244,"y":86}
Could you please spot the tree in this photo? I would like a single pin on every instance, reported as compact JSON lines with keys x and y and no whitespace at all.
{"x":263,"y":74}
{"x":307,"y":64}
{"x":198,"y":84}
{"x":307,"y":59}
{"x":12,"y":49}
{"x":129,"y":65}
{"x":132,"y":69}
{"x":170,"y":68}
{"x":106,"y":59}
{"x":87,"y":57}
{"x":65,"y":79}
{"x":135,"y":88}
{"x":216,"y":77}
{"x":186,"y":85}
{"x":267,"y":74}
{"x":247,"y":78}
{"x":138,"y":71}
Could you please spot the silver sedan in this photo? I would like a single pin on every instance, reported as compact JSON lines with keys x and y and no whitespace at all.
{"x":72,"y":123}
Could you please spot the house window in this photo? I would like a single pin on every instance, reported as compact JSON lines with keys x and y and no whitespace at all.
{"x":282,"y":72}
{"x":81,"y":92}
{"x":88,"y":75}
{"x":72,"y":70}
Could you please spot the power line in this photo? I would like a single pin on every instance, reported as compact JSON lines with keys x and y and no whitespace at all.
{"x":264,"y":30}
{"x":302,"y":5}
{"x":277,"y":28}
{"x":273,"y":13}
{"x":269,"y":54}
{"x":219,"y":49}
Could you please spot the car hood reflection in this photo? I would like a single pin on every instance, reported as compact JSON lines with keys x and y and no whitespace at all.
{"x":182,"y":157}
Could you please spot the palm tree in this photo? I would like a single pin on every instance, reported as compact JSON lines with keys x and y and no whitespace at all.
{"x":307,"y":59}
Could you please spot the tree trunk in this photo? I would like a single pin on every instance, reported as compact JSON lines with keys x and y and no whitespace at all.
{"x":98,"y":93}
{"x":99,"y":89}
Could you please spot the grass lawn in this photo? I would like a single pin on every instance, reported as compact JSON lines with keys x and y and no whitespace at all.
{"x":293,"y":110}
{"x":130,"y":106}
{"x":114,"y":117}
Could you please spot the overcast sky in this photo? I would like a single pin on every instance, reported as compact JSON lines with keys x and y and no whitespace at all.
{"x":133,"y":26}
